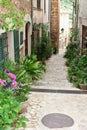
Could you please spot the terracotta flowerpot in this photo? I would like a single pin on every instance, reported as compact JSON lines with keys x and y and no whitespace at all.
{"x":83,"y":86}
{"x":24,"y":106}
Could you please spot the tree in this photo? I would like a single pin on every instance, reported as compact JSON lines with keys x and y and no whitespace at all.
{"x":12,"y":18}
{"x":66,"y":5}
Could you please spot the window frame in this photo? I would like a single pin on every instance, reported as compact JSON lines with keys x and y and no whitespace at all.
{"x":39,"y":4}
{"x":21,"y":37}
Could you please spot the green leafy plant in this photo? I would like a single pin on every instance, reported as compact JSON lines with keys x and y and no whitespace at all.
{"x":13,"y":18}
{"x":43,"y":48}
{"x":74,"y":34}
{"x":19,"y":89}
{"x":78,"y":70}
{"x":21,"y":122}
{"x":32,"y":67}
{"x":9,"y":109}
{"x":72,"y":51}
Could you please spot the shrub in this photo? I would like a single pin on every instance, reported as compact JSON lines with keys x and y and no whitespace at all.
{"x":9,"y":109}
{"x":72,"y":51}
{"x":32,"y":68}
{"x":74,"y":34}
{"x":43,"y":48}
{"x":78,"y":70}
{"x":19,"y":89}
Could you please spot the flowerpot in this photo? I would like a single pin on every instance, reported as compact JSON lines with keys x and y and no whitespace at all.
{"x":24,"y":106}
{"x":83,"y":86}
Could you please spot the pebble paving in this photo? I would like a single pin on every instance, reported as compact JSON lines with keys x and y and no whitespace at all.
{"x":43,"y":103}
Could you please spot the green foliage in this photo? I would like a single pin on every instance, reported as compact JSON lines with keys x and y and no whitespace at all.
{"x":43,"y":48}
{"x":9,"y":109}
{"x":21,"y":94}
{"x":66,"y":5}
{"x":78,"y":70}
{"x":10,"y":65}
{"x":12,"y":18}
{"x":72,"y":51}
{"x":21,"y":121}
{"x":74,"y":34}
{"x":32,"y":67}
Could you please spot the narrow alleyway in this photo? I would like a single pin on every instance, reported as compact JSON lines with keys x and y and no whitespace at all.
{"x":64,"y":107}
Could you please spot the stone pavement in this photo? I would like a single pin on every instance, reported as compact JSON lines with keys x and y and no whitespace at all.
{"x":66,"y":101}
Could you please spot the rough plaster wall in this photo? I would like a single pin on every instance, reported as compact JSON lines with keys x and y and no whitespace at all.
{"x":45,"y":14}
{"x":83,"y":8}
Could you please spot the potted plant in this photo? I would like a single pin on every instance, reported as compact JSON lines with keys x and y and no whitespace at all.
{"x":9,"y":110}
{"x":84,"y":84}
{"x":19,"y":90}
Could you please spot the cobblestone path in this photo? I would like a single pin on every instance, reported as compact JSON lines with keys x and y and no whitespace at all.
{"x":60,"y":98}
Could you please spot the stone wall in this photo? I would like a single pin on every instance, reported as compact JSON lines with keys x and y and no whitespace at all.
{"x":55,"y":24}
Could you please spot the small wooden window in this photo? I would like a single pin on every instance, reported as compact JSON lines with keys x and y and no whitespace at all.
{"x":38,"y":4}
{"x":5,"y":44}
{"x":21,"y":38}
{"x":44,"y":6}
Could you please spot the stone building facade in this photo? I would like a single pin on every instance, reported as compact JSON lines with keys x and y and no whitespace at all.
{"x":83,"y":23}
{"x":18,"y":42}
{"x":55,"y":23}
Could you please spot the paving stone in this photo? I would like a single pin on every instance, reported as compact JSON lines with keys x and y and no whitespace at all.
{"x":42,"y":104}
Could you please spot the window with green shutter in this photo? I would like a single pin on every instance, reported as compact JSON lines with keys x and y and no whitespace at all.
{"x":44,"y":6}
{"x":38,"y":4}
{"x":16,"y":45}
{"x":3,"y":49}
{"x":21,"y":38}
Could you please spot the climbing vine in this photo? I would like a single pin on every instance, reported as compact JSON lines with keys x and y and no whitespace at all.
{"x":12,"y":18}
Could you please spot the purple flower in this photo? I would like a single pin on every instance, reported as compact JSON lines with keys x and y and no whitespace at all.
{"x":19,"y":87}
{"x":11,"y":75}
{"x":6,"y":71}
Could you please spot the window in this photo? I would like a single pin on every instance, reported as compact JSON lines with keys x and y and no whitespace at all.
{"x":3,"y":49}
{"x":21,"y":38}
{"x":44,"y":6}
{"x":38,"y":4}
{"x":5,"y":44}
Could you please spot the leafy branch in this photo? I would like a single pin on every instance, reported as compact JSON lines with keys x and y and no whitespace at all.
{"x":12,"y":18}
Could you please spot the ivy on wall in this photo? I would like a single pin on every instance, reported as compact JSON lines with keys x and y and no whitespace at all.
{"x":12,"y":18}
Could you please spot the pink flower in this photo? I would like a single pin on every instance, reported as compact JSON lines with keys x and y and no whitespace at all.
{"x":2,"y":82}
{"x":14,"y":84}
{"x":12,"y":76}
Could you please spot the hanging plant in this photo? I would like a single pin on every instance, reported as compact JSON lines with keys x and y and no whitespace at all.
{"x":12,"y":18}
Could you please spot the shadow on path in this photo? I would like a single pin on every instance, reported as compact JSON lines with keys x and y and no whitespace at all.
{"x":59,"y":91}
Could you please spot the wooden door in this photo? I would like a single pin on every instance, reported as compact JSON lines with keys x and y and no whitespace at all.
{"x":84,"y":37}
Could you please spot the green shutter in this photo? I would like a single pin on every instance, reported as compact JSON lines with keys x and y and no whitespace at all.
{"x":2,"y":54}
{"x":21,"y":38}
{"x":38,"y":4}
{"x":16,"y":45}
